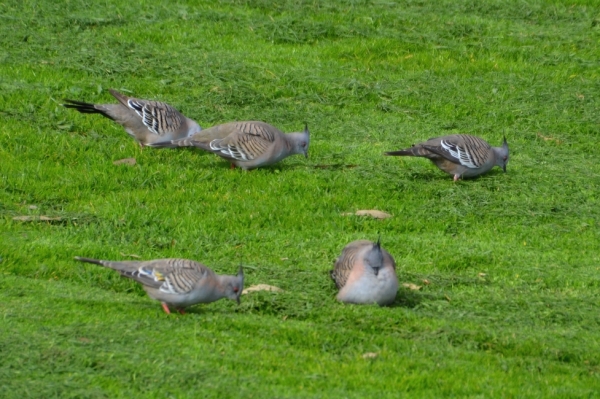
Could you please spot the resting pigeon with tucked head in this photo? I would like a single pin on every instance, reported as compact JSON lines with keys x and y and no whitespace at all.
{"x":365,"y":274}
{"x":146,"y":121}
{"x":178,"y":283}
{"x":247,"y":145}
{"x":461,"y":155}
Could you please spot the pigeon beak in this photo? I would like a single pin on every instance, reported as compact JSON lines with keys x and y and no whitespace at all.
{"x":241,"y":287}
{"x":307,"y":133}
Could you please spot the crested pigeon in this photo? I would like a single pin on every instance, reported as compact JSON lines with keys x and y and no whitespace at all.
{"x":178,"y":283}
{"x":146,"y":121}
{"x":461,"y":155}
{"x":365,"y":273}
{"x":247,"y":145}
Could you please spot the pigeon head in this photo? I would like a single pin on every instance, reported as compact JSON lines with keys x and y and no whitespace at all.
{"x":374,"y":257}
{"x":502,"y":155}
{"x":301,"y":141}
{"x":235,"y":286}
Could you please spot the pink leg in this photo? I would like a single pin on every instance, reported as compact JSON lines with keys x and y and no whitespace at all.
{"x":181,"y":311}
{"x":232,"y":166}
{"x":165,"y":308}
{"x":456,"y":177}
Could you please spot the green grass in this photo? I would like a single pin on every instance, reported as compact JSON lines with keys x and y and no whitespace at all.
{"x":512,"y":259}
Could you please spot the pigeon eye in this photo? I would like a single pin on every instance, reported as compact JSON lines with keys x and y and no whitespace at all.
{"x":235,"y":289}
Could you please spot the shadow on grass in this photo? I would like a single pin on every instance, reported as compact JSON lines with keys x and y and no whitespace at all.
{"x":428,"y":176}
{"x":147,"y":306}
{"x":336,"y":166}
{"x":412,"y":299}
{"x":194,"y":150}
{"x":278,"y":168}
{"x":117,"y":306}
{"x":437,"y":175}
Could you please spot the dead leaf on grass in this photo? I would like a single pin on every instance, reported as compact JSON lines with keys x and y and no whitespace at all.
{"x":130,"y":255}
{"x":547,"y":138}
{"x":374,"y":213}
{"x":36,"y":218}
{"x":370,"y":355}
{"x":125,"y":161}
{"x":261,"y":287}
{"x":411,"y":286}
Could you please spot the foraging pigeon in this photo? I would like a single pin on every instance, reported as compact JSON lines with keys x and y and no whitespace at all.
{"x":247,"y":145}
{"x":146,"y":121}
{"x":177,"y":282}
{"x":461,"y":155}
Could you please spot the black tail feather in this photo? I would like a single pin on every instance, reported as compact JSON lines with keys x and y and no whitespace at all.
{"x":400,"y":153}
{"x":163,"y":144}
{"x":84,"y":108}
{"x":89,"y":260}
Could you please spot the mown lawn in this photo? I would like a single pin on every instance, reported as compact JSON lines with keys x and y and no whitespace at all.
{"x":508,"y":265}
